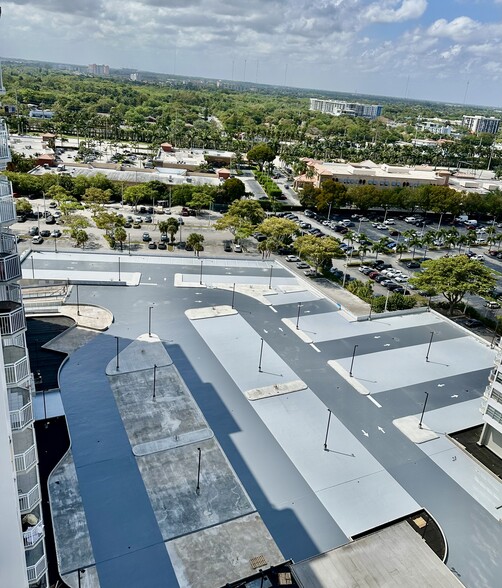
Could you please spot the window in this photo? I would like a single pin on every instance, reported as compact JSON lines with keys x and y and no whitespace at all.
{"x":496,"y":395}
{"x":494,"y":414}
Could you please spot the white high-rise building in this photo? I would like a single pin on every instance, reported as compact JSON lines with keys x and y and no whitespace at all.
{"x":491,"y":407}
{"x":23,"y":561}
{"x":339,"y":107}
{"x":481,"y":124}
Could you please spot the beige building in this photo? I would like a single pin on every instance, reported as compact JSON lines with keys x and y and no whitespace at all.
{"x":369,"y":173}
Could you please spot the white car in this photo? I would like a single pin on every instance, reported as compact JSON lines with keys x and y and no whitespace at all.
{"x":401,"y":278}
{"x":237,"y":248}
{"x":292,"y":258}
{"x":389,"y":221}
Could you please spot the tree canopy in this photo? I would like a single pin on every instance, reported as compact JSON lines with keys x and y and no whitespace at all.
{"x":454,"y":277}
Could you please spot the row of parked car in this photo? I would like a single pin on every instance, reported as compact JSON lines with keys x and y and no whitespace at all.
{"x":391,"y":278}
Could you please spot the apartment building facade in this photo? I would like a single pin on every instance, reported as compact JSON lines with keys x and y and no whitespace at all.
{"x":491,"y":408}
{"x":23,"y":560}
{"x":339,"y":107}
{"x":481,"y":124}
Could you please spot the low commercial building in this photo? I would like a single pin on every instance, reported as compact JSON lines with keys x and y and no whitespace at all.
{"x":369,"y":173}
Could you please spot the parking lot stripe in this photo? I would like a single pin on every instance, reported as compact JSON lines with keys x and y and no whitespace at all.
{"x":369,"y":397}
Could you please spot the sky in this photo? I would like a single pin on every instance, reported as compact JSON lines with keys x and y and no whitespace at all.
{"x":441,"y":50}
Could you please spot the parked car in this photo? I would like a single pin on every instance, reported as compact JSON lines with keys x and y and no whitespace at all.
{"x":37,"y":240}
{"x":162,"y":245}
{"x":146,"y":237}
{"x":152,"y":245}
{"x":302,"y":265}
{"x":237,"y":248}
{"x":56,"y":233}
{"x":33,"y":231}
{"x":292,"y":258}
{"x":45,"y":233}
{"x":311,"y":273}
{"x":413,"y":264}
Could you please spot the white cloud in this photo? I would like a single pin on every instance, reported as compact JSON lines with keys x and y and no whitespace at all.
{"x":390,"y":11}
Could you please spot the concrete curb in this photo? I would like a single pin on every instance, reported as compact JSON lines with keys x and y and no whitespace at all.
{"x":298,"y":332}
{"x":275,"y":390}
{"x":174,"y":442}
{"x":209,"y":312}
{"x":354,"y":382}
{"x":408,"y":426}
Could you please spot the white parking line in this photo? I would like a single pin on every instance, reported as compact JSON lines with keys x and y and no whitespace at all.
{"x":316,"y":348}
{"x":272,"y":309}
{"x":369,"y":397}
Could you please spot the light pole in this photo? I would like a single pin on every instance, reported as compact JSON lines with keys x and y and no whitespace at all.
{"x":429,"y":348}
{"x":261,"y":354}
{"x":79,"y":572}
{"x":119,"y":269}
{"x":197,"y":490}
{"x":150,"y":321}
{"x":423,"y":410}
{"x":55,"y":244}
{"x":352,"y":362}
{"x":117,"y":354}
{"x":327,"y":431}
{"x":154,"y":379}
{"x":129,"y":243}
{"x":386,"y":300}
{"x":32,"y":267}
{"x":298,"y":315}
{"x":270,"y":279}
{"x":233,"y":295}
{"x":78,"y":302}
{"x":200,"y":278}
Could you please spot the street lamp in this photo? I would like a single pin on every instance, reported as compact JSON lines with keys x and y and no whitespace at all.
{"x":327,"y":431}
{"x":233,"y":295}
{"x":270,"y":279}
{"x":298,"y":315}
{"x":78,"y":302}
{"x":200,"y":278}
{"x":154,"y":379}
{"x":150,"y":308}
{"x":79,"y":572}
{"x":261,"y":354}
{"x":352,"y":362}
{"x":117,"y":353}
{"x":423,"y":409}
{"x":429,"y":348}
{"x":197,"y":490}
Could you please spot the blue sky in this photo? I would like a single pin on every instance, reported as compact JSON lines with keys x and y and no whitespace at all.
{"x":446,"y":50}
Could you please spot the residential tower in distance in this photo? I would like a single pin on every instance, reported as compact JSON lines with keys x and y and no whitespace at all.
{"x":339,"y":107}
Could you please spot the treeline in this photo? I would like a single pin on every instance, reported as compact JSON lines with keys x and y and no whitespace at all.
{"x":29,"y":185}
{"x":437,"y":199}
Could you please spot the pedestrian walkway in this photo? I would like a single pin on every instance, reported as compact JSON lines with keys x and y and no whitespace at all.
{"x":126,"y":540}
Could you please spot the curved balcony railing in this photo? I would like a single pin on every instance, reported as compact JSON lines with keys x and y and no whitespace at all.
{"x":4,"y":145}
{"x":5,"y":187}
{"x":17,"y":372}
{"x":24,"y":461}
{"x":19,"y":419}
{"x":28,"y":500}
{"x":33,"y":535}
{"x":7,"y":209}
{"x":11,"y":317}
{"x":10,"y":267}
{"x":36,"y":571}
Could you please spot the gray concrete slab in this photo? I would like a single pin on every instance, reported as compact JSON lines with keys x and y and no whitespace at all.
{"x":71,"y":340}
{"x":446,"y":359}
{"x":229,"y":547}
{"x":71,"y":533}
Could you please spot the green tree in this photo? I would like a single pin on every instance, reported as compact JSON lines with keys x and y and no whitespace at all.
{"x":120,"y":236}
{"x":242,"y":218}
{"x":142,"y":193}
{"x":318,"y":251}
{"x":454,"y":277}
{"x":195,"y":241}
{"x":231,"y":189}
{"x":261,"y":153}
{"x":23,"y":206}
{"x":280,"y":229}
{"x":332,"y":194}
{"x":80,"y":237}
{"x":201,"y":199}
{"x":96,"y":198}
{"x":171,"y":226}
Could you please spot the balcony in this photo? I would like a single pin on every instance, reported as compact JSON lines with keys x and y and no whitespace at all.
{"x":25,"y":450}
{"x":17,"y":366}
{"x":7,"y":209}
{"x":4,"y":145}
{"x":20,"y":408}
{"x":5,"y":187}
{"x":36,"y":563}
{"x":29,"y":490}
{"x":33,"y":535}
{"x":10,"y":267}
{"x":11,"y":317}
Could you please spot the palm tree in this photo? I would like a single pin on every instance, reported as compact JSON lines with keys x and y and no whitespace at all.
{"x":428,"y":240}
{"x":470,"y":240}
{"x":461,"y":240}
{"x":380,"y":246}
{"x":401,"y":248}
{"x":363,"y":250}
{"x":414,"y":242}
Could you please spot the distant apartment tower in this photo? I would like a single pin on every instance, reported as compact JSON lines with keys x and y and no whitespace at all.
{"x":339,"y":107}
{"x":491,"y":407}
{"x":23,"y":559}
{"x":481,"y":124}
{"x":98,"y":70}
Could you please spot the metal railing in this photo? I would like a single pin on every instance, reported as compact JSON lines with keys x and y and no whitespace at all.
{"x":10,"y":268}
{"x":33,"y":535}
{"x":24,"y":461}
{"x":17,"y":372}
{"x":37,"y":571}
{"x":7,"y":209}
{"x":12,"y":321}
{"x":29,"y":500}
{"x":22,"y":417}
{"x":4,"y":144}
{"x":5,"y":187}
